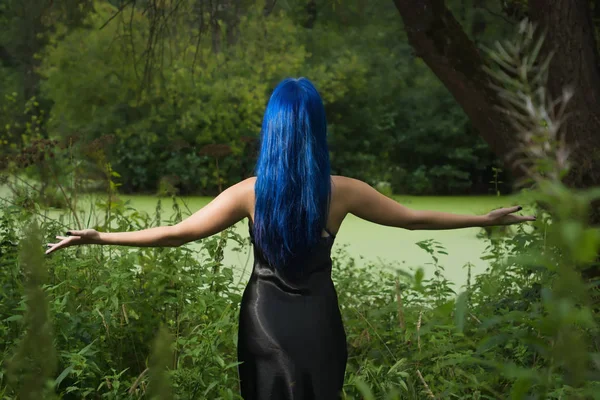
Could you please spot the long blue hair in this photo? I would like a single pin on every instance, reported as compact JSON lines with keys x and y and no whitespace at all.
{"x":293,"y":182}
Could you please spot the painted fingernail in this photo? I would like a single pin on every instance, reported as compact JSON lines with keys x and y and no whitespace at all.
{"x":520,"y":208}
{"x":68,"y":233}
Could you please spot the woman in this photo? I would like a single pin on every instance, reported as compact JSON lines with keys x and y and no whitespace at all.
{"x":291,"y":343}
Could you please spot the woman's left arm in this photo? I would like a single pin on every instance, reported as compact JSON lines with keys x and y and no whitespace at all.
{"x":229,"y":207}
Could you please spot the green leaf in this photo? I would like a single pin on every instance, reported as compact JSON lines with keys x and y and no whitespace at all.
{"x":233,"y":364}
{"x":86,"y":348}
{"x":219,"y":361}
{"x":62,"y":376}
{"x":208,"y":389}
{"x":397,"y":365}
{"x":101,"y":288}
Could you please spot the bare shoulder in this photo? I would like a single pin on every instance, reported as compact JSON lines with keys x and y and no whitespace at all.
{"x":348,"y":190}
{"x":344,"y":182}
{"x":247,"y":184}
{"x":244,"y":187}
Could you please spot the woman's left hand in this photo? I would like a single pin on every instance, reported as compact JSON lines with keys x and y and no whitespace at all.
{"x":504,"y":216}
{"x":86,"y":236}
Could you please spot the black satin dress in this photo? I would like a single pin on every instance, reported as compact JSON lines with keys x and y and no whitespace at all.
{"x":291,"y":340}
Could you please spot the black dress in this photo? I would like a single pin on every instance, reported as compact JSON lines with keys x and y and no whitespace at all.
{"x":291,"y":340}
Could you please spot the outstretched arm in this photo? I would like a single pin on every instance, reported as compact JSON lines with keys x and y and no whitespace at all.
{"x":229,"y":207}
{"x":367,"y":203}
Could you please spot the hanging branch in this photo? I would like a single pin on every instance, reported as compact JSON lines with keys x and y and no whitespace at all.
{"x":121,"y":8}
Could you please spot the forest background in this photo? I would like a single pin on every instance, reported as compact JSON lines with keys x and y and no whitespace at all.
{"x":173,"y":93}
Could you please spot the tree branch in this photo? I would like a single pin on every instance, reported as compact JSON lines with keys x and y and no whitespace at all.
{"x":117,"y":13}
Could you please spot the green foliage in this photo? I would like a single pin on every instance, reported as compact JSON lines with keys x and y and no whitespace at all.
{"x":161,"y":84}
{"x":218,"y":98}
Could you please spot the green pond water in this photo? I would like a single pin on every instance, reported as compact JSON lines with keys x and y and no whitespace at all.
{"x":367,"y":242}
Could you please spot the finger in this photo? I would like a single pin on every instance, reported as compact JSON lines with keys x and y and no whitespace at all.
{"x":53,"y":249}
{"x":56,"y":246}
{"x":62,"y":237}
{"x":526,"y":218}
{"x":510,"y":210}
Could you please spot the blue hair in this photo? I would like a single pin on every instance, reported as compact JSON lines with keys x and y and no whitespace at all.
{"x":293,"y":182}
